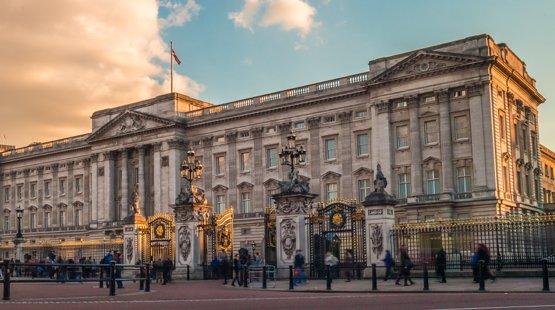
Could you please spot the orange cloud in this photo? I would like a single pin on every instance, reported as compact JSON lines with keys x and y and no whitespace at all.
{"x":61,"y":60}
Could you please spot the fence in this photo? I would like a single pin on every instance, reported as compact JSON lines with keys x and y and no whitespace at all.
{"x":111,"y":274}
{"x":518,"y":241}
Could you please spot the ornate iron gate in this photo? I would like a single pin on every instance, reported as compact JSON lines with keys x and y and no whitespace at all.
{"x":337,"y":228}
{"x":217,"y":234}
{"x":159,"y":238}
{"x":270,"y":250}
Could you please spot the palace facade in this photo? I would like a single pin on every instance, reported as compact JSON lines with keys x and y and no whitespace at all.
{"x":453,"y":126}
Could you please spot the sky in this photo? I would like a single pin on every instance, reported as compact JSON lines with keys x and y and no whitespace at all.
{"x":61,"y":60}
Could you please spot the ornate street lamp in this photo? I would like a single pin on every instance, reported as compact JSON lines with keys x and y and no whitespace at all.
{"x":292,"y":155}
{"x":191,"y":168}
{"x":19,"y":213}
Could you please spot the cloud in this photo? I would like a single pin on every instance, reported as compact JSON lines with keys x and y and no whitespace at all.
{"x":290,"y":15}
{"x":245,"y":17}
{"x":64,"y":59}
{"x":180,"y":13}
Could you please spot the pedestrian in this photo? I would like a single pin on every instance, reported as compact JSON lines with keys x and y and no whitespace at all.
{"x":483,"y":254}
{"x":331,"y":261}
{"x":405,"y":268}
{"x":298,"y":265}
{"x":215,"y":265}
{"x":388,"y":263}
{"x":166,"y":266}
{"x":225,"y":267}
{"x":441,"y":264}
{"x":119,"y":269}
{"x":348,"y":265}
{"x":158,"y":267}
{"x":236,"y":270}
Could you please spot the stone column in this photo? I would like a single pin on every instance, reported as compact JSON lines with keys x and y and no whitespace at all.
{"x":231,"y":138}
{"x":446,"y":141}
{"x":207,"y":143}
{"x":314,"y":151}
{"x":124,"y":184}
{"x":346,"y":154}
{"x":109,"y":207}
{"x":94,"y":191}
{"x":70,"y":218}
{"x":382,"y":143}
{"x":157,"y":165}
{"x":415,"y":149}
{"x":477,"y":138}
{"x":141,"y":176}
{"x":86,"y":192}
{"x":258,"y":170}
{"x":174,"y":162}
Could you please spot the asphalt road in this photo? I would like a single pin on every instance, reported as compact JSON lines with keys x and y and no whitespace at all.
{"x":213,"y":295}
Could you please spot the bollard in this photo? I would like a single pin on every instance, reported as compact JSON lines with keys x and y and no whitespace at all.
{"x":426,"y":280}
{"x":142,"y":281}
{"x":481,"y":270}
{"x":545,"y":273}
{"x":101,"y":274}
{"x":245,"y":282}
{"x":112,"y":278}
{"x":328,"y":278}
{"x":188,"y":272}
{"x":6,"y":271}
{"x":264,"y":277}
{"x":147,"y":282}
{"x":374,"y":278}
{"x":291,"y":286}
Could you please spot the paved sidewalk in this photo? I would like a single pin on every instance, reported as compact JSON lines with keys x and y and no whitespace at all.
{"x":452,"y":285}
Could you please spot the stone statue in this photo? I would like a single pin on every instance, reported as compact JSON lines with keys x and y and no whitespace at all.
{"x":136,"y":200}
{"x":380,"y":183}
{"x":185,"y":243}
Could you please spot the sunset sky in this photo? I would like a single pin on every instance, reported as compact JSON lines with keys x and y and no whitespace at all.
{"x":61,"y":60}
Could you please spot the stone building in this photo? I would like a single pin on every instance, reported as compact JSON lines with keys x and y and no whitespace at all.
{"x":547,"y":159}
{"x":454,"y":127}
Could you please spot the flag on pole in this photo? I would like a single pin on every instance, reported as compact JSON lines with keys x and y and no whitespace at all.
{"x":174,"y":55}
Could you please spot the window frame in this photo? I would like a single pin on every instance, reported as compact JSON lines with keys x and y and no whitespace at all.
{"x":398,"y":137}
{"x":358,"y":145}
{"x":327,"y":155}
{"x":434,"y":181}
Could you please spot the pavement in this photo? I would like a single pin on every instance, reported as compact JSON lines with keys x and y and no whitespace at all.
{"x":453,"y":285}
{"x":214,"y":295}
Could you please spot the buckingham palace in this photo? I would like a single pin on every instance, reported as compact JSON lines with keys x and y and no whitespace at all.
{"x":453,"y":126}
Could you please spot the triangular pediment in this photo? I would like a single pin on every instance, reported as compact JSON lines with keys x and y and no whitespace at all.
{"x":129,"y":122}
{"x":363,"y":171}
{"x":426,"y":62}
{"x":330,"y":175}
{"x":271,"y":183}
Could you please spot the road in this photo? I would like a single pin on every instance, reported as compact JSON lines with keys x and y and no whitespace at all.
{"x":213,"y":295}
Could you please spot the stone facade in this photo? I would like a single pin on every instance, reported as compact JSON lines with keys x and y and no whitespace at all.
{"x":547,"y":159}
{"x":454,"y":127}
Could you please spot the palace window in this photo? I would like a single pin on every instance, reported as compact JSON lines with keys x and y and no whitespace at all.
{"x":62,"y":186}
{"x":432,"y":182}
{"x":78,"y":217}
{"x":245,"y":202}
{"x":331,"y":191}
{"x":271,"y":157}
{"x":364,"y":188}
{"x":329,"y":119}
{"x":245,"y":158}
{"x":244,"y":134}
{"x":527,"y":185}
{"x":502,"y":126}
{"x":459,"y":93}
{"x":47,"y":188}
{"x":78,"y":187}
{"x":461,"y":127}
{"x":519,"y":182}
{"x":330,"y":151}
{"x":505,"y":179}
{"x":430,"y":99}
{"x":46,"y":219}
{"x":33,"y":190}
{"x":402,"y":104}
{"x":32,"y":220}
{"x":220,"y":164}
{"x":220,"y":203}
{"x":430,"y":132}
{"x":298,"y":125}
{"x":19,"y":191}
{"x":362,"y":144}
{"x":404,"y":185}
{"x":402,"y":136}
{"x":270,"y":202}
{"x":6,"y":223}
{"x":62,"y":218}
{"x":7,"y":194}
{"x":464,"y":180}
{"x":361,"y":114}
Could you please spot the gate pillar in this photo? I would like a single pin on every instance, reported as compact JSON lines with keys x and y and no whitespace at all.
{"x":380,"y":218}
{"x":133,"y":232}
{"x":190,"y":208}
{"x":292,"y":205}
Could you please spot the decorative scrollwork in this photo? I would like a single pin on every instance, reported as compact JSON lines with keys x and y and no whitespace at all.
{"x":185,"y":243}
{"x":376,"y":236}
{"x":288,"y":237}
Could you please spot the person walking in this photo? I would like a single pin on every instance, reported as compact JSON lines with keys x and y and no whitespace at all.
{"x":483,"y":254}
{"x":236,"y":270}
{"x":331,"y":261}
{"x":405,"y":268}
{"x":349,"y":262}
{"x":388,"y":263}
{"x":225,"y":268}
{"x":298,"y":268}
{"x":118,"y":271}
{"x":441,"y":265}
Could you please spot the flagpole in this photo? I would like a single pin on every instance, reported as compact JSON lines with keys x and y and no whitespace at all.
{"x":171,"y":66}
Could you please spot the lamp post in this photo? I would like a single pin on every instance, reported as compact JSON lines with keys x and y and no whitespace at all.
{"x":18,"y":241}
{"x":292,"y":155}
{"x":191,"y":168}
